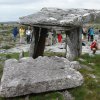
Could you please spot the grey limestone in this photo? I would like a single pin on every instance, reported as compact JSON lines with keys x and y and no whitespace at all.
{"x":39,"y":75}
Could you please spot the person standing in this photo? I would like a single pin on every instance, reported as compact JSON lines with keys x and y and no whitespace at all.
{"x":84,"y":32}
{"x":91,"y":33}
{"x":50,"y":37}
{"x":28,"y":35}
{"x":22,"y":33}
{"x":15,"y":32}
{"x":59,"y":38}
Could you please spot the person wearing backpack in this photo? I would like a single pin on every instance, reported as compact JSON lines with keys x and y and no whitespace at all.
{"x":91,"y":33}
{"x":15,"y":32}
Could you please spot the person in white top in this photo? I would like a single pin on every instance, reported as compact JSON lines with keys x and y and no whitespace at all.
{"x":28,"y":35}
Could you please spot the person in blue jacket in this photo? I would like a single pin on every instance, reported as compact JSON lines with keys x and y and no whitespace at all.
{"x":91,"y":33}
{"x":15,"y":32}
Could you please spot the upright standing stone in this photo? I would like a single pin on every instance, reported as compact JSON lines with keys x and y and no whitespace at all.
{"x":74,"y":43}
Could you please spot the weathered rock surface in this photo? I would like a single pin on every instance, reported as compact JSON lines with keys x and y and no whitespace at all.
{"x":67,"y":95}
{"x":63,"y":17}
{"x":37,"y":75}
{"x":75,"y":65}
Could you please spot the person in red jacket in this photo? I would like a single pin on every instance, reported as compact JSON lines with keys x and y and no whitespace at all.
{"x":59,"y":38}
{"x":93,"y":46}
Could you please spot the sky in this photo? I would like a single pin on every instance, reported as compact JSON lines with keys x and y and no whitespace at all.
{"x":11,"y":10}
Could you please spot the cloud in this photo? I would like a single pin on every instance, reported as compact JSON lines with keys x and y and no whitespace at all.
{"x":18,"y":2}
{"x":13,"y":9}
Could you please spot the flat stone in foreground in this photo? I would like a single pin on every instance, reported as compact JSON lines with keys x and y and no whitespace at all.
{"x":27,"y":76}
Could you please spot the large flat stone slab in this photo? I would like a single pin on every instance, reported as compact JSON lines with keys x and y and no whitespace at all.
{"x":37,"y":75}
{"x":61,"y":17}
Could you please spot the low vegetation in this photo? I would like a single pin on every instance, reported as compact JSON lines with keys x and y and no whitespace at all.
{"x":90,"y":90}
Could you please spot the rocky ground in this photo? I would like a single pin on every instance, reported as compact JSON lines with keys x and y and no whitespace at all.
{"x":59,"y":47}
{"x":7,"y":45}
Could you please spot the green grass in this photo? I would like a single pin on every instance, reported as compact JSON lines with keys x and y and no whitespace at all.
{"x":6,"y":47}
{"x":42,"y":96}
{"x":8,"y":56}
{"x":13,"y":55}
{"x":48,"y":96}
{"x":90,"y":90}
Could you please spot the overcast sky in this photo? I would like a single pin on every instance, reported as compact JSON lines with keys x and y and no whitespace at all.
{"x":11,"y":10}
